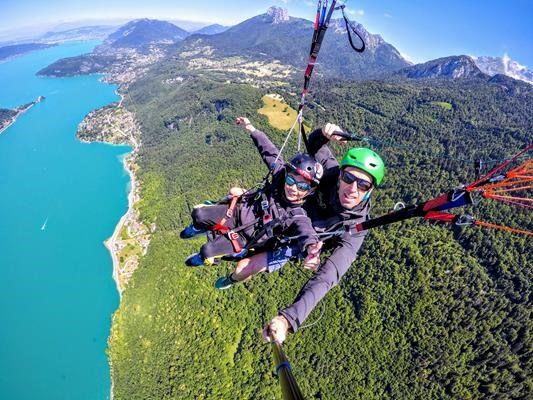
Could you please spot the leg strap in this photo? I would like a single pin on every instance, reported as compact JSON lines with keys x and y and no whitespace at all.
{"x":234,"y":239}
{"x":220,"y":227}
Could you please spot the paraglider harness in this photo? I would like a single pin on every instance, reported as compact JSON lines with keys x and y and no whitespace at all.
{"x":270,"y":218}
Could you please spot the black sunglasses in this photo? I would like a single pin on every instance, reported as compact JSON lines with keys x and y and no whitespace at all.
{"x":302,"y":186}
{"x":362,"y":184}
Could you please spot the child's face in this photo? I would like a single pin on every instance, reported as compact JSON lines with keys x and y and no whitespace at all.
{"x":296,"y":188}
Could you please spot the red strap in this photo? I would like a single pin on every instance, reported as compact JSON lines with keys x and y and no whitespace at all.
{"x":234,"y":239}
{"x":220,"y":227}
{"x":440,"y":216}
{"x":436,"y":202}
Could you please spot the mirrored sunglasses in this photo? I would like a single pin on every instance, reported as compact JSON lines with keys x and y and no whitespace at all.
{"x":303,"y":186}
{"x":362,"y":184}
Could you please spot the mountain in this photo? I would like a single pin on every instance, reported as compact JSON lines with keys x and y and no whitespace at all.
{"x":145,"y":32}
{"x":211,"y":29}
{"x":275,"y":35}
{"x":453,"y":67}
{"x":83,"y":33}
{"x":504,"y":65}
{"x":18,"y":49}
{"x":136,"y":44}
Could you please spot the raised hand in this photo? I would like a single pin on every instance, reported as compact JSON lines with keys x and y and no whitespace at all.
{"x":245,"y":123}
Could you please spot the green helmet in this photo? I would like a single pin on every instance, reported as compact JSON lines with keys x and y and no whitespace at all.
{"x":366,"y":160}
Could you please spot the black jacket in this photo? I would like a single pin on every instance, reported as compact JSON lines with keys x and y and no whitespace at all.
{"x":327,"y":212}
{"x":295,"y":221}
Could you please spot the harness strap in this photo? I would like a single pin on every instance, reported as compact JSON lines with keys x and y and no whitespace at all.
{"x":234,"y":239}
{"x":350,"y":27}
{"x":220,"y":227}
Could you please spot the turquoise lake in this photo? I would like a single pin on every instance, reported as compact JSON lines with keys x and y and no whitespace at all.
{"x":59,"y":200}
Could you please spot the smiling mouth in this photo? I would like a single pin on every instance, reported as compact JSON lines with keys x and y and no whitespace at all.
{"x":347,"y":197}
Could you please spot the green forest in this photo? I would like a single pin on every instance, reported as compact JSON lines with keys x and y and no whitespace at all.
{"x":425,"y":312}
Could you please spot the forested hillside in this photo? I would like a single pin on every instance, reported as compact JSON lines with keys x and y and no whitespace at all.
{"x":425,"y":312}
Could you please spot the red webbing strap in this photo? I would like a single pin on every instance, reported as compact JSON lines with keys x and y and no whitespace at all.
{"x":436,"y":202}
{"x":441,"y":216}
{"x":234,"y":239}
{"x":318,"y":37}
{"x":220,"y":227}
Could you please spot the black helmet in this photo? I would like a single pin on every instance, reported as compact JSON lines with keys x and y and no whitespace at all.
{"x":306,"y":166}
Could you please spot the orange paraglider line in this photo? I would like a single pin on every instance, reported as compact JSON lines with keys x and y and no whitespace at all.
{"x":519,"y":170}
{"x":504,"y":184}
{"x":501,"y":227}
{"x":511,"y":190}
{"x":488,"y":195}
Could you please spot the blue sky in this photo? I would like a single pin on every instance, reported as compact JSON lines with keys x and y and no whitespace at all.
{"x":422,"y":30}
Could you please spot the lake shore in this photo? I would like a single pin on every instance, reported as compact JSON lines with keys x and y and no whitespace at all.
{"x":114,"y":124}
{"x":19,"y":111}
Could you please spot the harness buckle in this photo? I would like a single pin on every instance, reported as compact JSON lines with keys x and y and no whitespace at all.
{"x":264,"y":205}
{"x":234,"y":239}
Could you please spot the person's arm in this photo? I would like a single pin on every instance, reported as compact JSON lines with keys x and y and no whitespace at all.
{"x":318,"y":147}
{"x":268,"y":151}
{"x":300,"y":226}
{"x":327,"y":277}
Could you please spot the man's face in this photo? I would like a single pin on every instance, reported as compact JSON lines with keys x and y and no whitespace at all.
{"x":292,"y":193}
{"x":350,"y":194}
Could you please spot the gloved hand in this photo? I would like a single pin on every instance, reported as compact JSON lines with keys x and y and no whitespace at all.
{"x":245,"y":123}
{"x":278,"y":328}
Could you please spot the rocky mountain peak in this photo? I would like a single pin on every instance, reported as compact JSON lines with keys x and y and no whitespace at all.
{"x":278,"y":14}
{"x":453,"y":67}
{"x":504,"y":65}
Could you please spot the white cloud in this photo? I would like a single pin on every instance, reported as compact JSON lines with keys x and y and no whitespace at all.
{"x":310,"y":4}
{"x":355,"y":12}
{"x":407,"y":58}
{"x":387,"y":15}
{"x":284,"y":1}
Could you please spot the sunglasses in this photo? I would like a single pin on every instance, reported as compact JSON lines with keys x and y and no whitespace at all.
{"x":362,"y":184}
{"x":303,"y":186}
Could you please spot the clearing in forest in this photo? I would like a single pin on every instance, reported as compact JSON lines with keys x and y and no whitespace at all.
{"x":280,"y":115}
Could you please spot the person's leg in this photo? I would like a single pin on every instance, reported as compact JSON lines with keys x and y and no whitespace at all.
{"x":210,"y":251}
{"x":204,"y":218}
{"x":246,"y":268}
{"x":208,"y":216}
{"x":271,"y":260}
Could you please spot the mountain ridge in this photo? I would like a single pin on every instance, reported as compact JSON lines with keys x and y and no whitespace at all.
{"x":144,"y":32}
{"x":276,"y":36}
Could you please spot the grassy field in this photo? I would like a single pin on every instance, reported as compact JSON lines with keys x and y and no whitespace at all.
{"x":280,"y":115}
{"x":443,"y":104}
